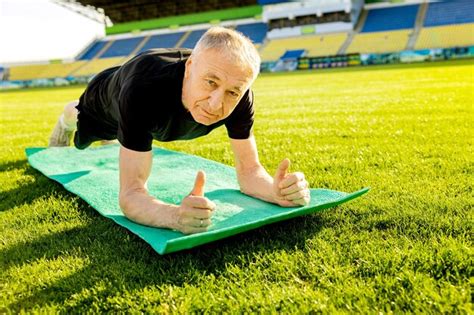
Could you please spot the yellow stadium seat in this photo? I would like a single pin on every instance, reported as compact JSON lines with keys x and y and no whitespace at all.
{"x":315,"y":45}
{"x":44,"y":71}
{"x":446,"y":36}
{"x":379,"y":42}
{"x":97,"y":65}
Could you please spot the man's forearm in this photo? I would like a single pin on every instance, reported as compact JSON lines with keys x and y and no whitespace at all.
{"x":142,"y":208}
{"x":257,"y":183}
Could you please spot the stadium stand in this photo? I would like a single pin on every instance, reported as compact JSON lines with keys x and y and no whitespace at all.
{"x":442,"y":24}
{"x":44,"y":71}
{"x":97,"y":65}
{"x":162,"y":41}
{"x":379,"y":42}
{"x":389,"y":19}
{"x":255,"y":31}
{"x":315,"y":45}
{"x":447,"y":24}
{"x":122,"y":47}
{"x":192,"y":39}
{"x":446,"y":36}
{"x":449,"y":12}
{"x":93,"y":50}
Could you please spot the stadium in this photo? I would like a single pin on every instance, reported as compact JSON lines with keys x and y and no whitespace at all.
{"x":355,"y":93}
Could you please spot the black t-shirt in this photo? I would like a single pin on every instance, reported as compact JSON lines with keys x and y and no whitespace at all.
{"x":141,"y":101}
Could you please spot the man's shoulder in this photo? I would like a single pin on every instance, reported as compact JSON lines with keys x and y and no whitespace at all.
{"x":155,"y":68}
{"x":161,"y":56}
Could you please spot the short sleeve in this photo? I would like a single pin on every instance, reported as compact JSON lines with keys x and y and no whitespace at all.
{"x":239,"y":124}
{"x":135,"y":121}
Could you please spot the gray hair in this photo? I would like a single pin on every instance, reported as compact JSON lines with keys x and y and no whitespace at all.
{"x":233,"y":44}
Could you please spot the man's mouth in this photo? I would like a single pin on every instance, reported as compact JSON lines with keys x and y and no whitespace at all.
{"x":206,"y":113}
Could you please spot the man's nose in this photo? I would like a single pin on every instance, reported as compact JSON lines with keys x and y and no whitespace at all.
{"x":215,"y":101}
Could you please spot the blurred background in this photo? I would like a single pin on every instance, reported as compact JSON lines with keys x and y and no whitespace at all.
{"x":64,"y":42}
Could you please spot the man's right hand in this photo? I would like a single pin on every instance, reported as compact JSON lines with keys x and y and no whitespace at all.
{"x":194,"y":213}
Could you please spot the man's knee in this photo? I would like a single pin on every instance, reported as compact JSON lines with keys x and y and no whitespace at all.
{"x":70,"y":113}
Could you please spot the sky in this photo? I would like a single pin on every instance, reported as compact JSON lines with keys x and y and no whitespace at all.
{"x":40,"y":30}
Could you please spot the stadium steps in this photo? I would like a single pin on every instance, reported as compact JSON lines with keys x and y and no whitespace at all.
{"x":182,"y":39}
{"x":85,"y":65}
{"x":420,"y":18}
{"x":104,"y":49}
{"x":140,"y":45}
{"x":91,"y":51}
{"x":77,"y":65}
{"x":262,"y":46}
{"x":192,"y":38}
{"x":352,"y":34}
{"x":457,"y":35}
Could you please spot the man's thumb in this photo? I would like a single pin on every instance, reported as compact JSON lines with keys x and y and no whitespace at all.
{"x":282,"y":169}
{"x":198,"y":189}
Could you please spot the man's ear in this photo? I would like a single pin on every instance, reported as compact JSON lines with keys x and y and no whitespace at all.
{"x":187,"y":67}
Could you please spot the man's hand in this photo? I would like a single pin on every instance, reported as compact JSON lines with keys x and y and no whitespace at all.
{"x":290,"y":189}
{"x":194,"y":213}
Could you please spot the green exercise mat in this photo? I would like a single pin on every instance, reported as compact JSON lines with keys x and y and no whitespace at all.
{"x":93,"y":175}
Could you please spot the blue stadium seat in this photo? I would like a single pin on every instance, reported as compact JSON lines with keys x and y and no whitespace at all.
{"x":162,"y":41}
{"x":122,"y":47}
{"x":389,"y":19}
{"x":449,"y":12}
{"x":93,"y":50}
{"x":265,"y":2}
{"x":255,"y":31}
{"x":292,"y":54}
{"x":192,"y":39}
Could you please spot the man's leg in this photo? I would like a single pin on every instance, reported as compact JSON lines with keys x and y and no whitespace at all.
{"x":65,"y":127}
{"x":107,"y":142}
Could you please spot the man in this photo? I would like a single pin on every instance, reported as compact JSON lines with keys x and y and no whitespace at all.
{"x":178,"y":94}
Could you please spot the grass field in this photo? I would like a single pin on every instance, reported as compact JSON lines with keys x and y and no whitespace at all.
{"x":404,"y":247}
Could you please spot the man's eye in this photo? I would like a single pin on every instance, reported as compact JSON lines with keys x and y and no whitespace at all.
{"x":233,"y":94}
{"x":211,"y":83}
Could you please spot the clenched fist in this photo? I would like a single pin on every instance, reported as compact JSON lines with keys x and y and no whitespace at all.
{"x":290,"y":189}
{"x":194,"y":213}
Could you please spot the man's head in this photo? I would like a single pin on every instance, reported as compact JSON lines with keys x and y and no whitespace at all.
{"x":221,"y":68}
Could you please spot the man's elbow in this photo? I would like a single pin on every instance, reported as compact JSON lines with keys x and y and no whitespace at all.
{"x":127,"y":202}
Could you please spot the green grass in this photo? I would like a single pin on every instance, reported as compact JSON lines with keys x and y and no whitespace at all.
{"x":404,"y":247}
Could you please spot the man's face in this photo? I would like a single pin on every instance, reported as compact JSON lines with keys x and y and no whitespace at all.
{"x":213,"y":86}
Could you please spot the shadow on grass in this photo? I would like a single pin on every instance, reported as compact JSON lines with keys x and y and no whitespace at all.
{"x":13,"y":165}
{"x":120,"y":261}
{"x":27,"y":192}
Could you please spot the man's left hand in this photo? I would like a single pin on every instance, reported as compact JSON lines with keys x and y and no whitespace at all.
{"x":290,"y":189}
